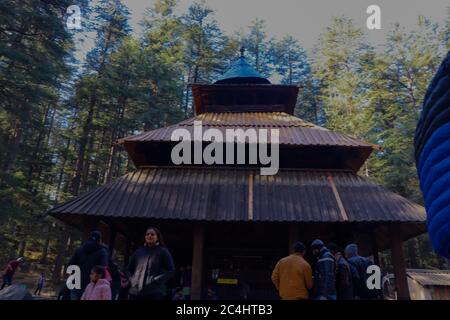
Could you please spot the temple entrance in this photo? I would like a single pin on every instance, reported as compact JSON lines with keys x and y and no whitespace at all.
{"x":239,"y":259}
{"x":240,"y":274}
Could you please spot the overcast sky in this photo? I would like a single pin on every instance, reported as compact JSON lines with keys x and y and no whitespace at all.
{"x":305,"y":20}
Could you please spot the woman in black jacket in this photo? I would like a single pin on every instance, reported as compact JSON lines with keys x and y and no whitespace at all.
{"x":150,"y":268}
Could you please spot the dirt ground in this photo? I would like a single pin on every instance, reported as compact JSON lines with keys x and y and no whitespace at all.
{"x":30,"y":279}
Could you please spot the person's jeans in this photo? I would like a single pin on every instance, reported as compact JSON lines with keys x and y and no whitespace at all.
{"x":75,"y":294}
{"x":7,"y":281}
{"x":38,"y":291}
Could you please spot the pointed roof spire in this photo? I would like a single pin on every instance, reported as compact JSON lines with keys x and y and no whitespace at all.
{"x":242,"y":51}
{"x":242,"y":72}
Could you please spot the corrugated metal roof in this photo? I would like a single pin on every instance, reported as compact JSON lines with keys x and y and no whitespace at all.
{"x":250,"y":119}
{"x":295,"y":196}
{"x":430,"y":277}
{"x":292,"y":130}
{"x":362,"y":199}
{"x":234,"y":194}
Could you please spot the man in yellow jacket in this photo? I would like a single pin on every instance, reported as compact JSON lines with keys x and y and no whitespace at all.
{"x":292,"y":275}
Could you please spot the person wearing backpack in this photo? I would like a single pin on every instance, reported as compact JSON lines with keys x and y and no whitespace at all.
{"x":344,"y":276}
{"x":91,"y":253}
{"x":360,"y":265}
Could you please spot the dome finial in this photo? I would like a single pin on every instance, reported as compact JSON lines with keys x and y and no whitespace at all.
{"x":241,"y":71}
{"x":242,"y":50}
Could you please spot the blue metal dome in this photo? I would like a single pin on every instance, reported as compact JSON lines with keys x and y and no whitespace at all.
{"x":242,"y":72}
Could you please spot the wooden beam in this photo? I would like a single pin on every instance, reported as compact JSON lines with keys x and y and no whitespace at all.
{"x":197,"y":261}
{"x":338,"y":198}
{"x":250,"y":196}
{"x":398,"y":261}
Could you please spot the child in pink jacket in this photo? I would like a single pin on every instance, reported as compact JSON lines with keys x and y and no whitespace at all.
{"x":99,"y":288}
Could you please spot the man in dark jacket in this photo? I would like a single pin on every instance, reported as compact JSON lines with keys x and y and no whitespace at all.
{"x":344,"y":278}
{"x":91,"y":253}
{"x":360,"y":264}
{"x":324,"y":273}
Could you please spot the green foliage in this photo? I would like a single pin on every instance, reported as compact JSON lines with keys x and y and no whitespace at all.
{"x":340,"y":65}
{"x":290,"y":61}
{"x":34,"y":52}
{"x":258,"y":47}
{"x":204,"y":43}
{"x":399,"y":79}
{"x":58,"y":126}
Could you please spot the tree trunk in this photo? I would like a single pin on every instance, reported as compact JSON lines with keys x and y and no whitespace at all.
{"x":13,"y":147}
{"x":87,"y":164}
{"x":71,"y":244}
{"x":37,"y":146}
{"x":45,"y":250}
{"x":116,"y":133}
{"x":46,"y":142}
{"x":60,"y":253}
{"x":62,"y":169}
{"x":187,"y":92}
{"x":412,"y":253}
{"x":22,"y":247}
{"x":195,"y":78}
{"x":87,"y":128}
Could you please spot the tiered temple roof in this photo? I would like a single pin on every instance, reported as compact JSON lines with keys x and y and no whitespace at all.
{"x":317,"y":181}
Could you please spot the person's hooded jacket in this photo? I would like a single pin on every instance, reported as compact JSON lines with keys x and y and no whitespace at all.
{"x":100,"y":290}
{"x":344,"y":279}
{"x":325,"y":274}
{"x":149,"y":269}
{"x":89,"y":255}
{"x":360,"y":265}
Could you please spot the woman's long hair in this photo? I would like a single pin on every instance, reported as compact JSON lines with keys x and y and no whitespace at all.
{"x":158,"y":234}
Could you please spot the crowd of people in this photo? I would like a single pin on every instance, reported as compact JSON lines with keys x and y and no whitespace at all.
{"x":149,"y":268}
{"x":10,"y":270}
{"x":338,"y":274}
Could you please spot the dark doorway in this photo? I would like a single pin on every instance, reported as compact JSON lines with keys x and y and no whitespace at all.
{"x":235,"y":273}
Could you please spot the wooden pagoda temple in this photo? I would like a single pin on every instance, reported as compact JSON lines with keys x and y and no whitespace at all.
{"x":231,"y":218}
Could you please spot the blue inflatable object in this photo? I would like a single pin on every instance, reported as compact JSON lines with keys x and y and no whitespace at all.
{"x":432,"y":152}
{"x":438,"y":140}
{"x":431,"y":174}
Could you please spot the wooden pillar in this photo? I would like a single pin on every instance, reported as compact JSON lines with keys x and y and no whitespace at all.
{"x":197,"y":261}
{"x":112,"y":239}
{"x":398,"y":261}
{"x":293,"y":235}
{"x":127,"y":251}
{"x":376,"y":257}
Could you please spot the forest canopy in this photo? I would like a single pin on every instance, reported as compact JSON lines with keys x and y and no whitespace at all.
{"x":60,"y":117}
